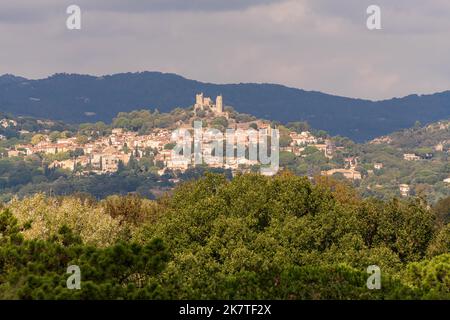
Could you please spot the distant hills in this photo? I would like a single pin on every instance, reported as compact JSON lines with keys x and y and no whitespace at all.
{"x":77,"y":98}
{"x":432,"y":136}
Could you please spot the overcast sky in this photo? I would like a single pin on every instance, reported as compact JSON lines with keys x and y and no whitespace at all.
{"x":319,"y":45}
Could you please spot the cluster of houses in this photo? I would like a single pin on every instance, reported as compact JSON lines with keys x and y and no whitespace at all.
{"x":349,"y":171}
{"x":98,"y":156}
{"x":299,"y":142}
{"x":5,"y":123}
{"x":414,"y":157}
{"x":105,"y":154}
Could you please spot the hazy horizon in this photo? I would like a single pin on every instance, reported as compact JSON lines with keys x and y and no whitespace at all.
{"x":315,"y":45}
{"x":223,"y":83}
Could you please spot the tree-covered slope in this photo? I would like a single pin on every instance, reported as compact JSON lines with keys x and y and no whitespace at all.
{"x":253,"y":237}
{"x":84,"y":98}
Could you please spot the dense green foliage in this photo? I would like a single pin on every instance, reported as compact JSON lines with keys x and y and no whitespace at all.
{"x":32,"y":269}
{"x":30,"y":175}
{"x":22,"y":177}
{"x":30,"y":124}
{"x":251,"y":237}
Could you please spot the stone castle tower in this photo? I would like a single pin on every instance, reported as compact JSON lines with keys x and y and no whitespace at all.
{"x":219,"y":104}
{"x":201,"y":102}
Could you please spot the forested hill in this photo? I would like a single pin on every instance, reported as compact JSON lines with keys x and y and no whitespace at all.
{"x":430,"y":136}
{"x":83,"y":98}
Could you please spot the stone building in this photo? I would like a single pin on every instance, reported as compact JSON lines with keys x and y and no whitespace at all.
{"x":201,"y":103}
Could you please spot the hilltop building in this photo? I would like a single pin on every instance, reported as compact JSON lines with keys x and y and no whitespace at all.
{"x":202,"y":103}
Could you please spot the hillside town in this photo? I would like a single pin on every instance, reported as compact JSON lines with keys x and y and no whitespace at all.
{"x":106,"y":153}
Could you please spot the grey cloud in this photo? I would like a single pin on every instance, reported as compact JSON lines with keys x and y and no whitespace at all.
{"x":399,"y":16}
{"x":312,"y":44}
{"x":21,"y":12}
{"x":174,"y":5}
{"x":28,"y":11}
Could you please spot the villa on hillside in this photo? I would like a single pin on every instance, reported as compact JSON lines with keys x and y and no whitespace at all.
{"x":350,"y":174}
{"x":410,"y":157}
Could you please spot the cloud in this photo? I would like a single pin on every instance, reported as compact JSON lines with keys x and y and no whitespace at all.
{"x":28,"y":10}
{"x":312,"y":44}
{"x":175,"y":5}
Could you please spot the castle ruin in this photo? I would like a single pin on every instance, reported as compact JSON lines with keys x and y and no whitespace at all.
{"x":201,"y":103}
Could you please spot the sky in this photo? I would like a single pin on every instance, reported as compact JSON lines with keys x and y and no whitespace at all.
{"x":321,"y":45}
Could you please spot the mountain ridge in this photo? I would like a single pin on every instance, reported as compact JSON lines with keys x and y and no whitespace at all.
{"x":76,"y":98}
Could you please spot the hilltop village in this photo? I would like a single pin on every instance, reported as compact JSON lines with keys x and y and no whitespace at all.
{"x":410,"y":162}
{"x":104,"y":154}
